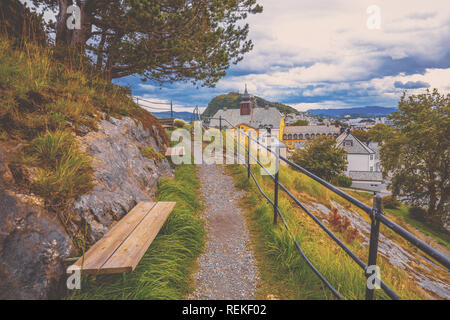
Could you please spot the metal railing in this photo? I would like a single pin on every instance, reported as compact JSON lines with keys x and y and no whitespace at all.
{"x":160,"y":108}
{"x":375,"y":213}
{"x":151,"y":108}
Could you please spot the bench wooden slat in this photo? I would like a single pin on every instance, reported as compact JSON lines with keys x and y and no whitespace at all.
{"x":175,"y":151}
{"x":128,"y":255}
{"x":101,"y":251}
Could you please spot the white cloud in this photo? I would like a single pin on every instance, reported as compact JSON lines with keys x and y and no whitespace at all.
{"x":310,"y":43}
{"x":313,"y":49}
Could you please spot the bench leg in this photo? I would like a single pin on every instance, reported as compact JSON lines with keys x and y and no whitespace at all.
{"x":124,"y":282}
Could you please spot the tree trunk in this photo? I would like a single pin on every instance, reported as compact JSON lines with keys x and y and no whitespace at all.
{"x":76,"y":37}
{"x":432,"y":201}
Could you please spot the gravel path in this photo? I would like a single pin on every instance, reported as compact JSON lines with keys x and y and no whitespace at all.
{"x":227,"y":267}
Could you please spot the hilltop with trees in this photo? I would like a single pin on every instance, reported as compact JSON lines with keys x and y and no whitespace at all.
{"x":233,"y":99}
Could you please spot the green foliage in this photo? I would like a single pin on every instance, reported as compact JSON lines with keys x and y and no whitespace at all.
{"x":17,"y":21}
{"x":441,"y":235}
{"x":232,"y":100}
{"x":417,"y":213}
{"x":289,"y":274}
{"x":40,"y":93}
{"x":379,"y":132}
{"x":342,"y":180}
{"x":289,"y":271}
{"x":416,"y":151}
{"x":179,"y":123}
{"x":151,"y":153}
{"x":160,"y":40}
{"x":362,"y":135}
{"x":44,"y":105}
{"x":300,"y":123}
{"x":322,"y":157}
{"x":63,"y":171}
{"x":391,"y":202}
{"x":3,"y":136}
{"x":165,"y":271}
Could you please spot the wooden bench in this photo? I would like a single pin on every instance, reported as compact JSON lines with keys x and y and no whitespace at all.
{"x":175,"y":151}
{"x":121,"y":249}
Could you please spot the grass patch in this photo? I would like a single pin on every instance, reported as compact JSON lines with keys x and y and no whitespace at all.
{"x":165,"y":272}
{"x":151,"y":153}
{"x":403,"y":218}
{"x":40,"y":93}
{"x":47,"y":99}
{"x":284,"y":271}
{"x":60,"y":171}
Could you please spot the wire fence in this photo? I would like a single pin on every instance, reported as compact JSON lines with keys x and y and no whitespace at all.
{"x":160,"y":111}
{"x":159,"y":108}
{"x":375,"y":213}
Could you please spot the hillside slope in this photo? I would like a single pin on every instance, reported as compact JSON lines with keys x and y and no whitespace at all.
{"x":70,"y":164}
{"x":403,"y":267}
{"x":233,"y":99}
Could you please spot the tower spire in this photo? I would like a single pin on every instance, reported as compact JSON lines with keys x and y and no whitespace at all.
{"x":246,"y":103}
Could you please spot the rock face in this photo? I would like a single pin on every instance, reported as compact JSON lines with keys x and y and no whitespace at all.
{"x":33,"y":242}
{"x":123,"y":176}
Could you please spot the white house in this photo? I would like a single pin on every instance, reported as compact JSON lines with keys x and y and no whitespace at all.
{"x":363,"y":163}
{"x":359,"y":156}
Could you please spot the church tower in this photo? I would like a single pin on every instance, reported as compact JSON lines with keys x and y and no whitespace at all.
{"x":246,"y":104}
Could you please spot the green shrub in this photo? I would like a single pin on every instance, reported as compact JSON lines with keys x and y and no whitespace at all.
{"x":417,"y":213}
{"x":151,"y":153}
{"x":63,"y":170}
{"x":52,"y":146}
{"x":391,"y":202}
{"x":342,"y":181}
{"x":179,"y":123}
{"x":3,"y":136}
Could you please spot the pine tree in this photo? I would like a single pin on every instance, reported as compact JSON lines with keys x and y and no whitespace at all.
{"x":161,"y":40}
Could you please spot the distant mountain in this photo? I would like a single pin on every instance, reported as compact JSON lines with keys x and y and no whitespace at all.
{"x":363,"y":112}
{"x":233,"y":99}
{"x":177,"y":115}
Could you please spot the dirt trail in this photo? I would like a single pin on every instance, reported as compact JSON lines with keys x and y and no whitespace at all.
{"x":227,"y":267}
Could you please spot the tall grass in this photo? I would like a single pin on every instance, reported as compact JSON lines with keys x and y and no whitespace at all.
{"x":61,"y":171}
{"x":286,"y":270}
{"x":151,"y":153}
{"x":47,"y":97}
{"x":165,"y":272}
{"x":43,"y":89}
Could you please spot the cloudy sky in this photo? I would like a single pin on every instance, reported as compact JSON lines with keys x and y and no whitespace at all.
{"x":314,"y":54}
{"x":322,"y":54}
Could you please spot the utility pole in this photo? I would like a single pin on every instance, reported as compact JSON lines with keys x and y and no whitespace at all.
{"x":171,"y":109}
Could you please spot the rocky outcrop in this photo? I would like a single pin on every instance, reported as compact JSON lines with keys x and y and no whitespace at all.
{"x":123,"y":175}
{"x":34,"y":243}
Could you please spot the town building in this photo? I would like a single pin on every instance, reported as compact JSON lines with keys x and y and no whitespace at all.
{"x":292,"y":135}
{"x":363,"y":162}
{"x":250,"y":118}
{"x":375,"y":146}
